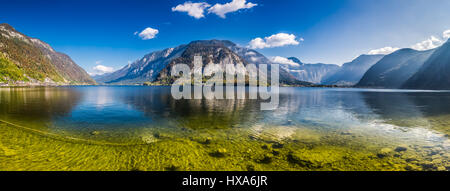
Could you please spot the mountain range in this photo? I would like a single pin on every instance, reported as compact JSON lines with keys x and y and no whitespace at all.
{"x":29,"y":61}
{"x":393,"y":70}
{"x":351,"y":73}
{"x":314,"y":73}
{"x":156,"y":66}
{"x":434,"y":73}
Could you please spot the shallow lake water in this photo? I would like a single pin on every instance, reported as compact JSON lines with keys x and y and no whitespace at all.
{"x":144,"y":128}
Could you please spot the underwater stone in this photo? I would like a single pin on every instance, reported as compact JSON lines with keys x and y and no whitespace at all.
{"x":411,"y":168}
{"x":219,"y":153}
{"x":95,"y":133}
{"x":267,"y":159}
{"x":277,"y":145}
{"x":296,"y":159}
{"x":346,"y":133}
{"x":400,"y":149}
{"x":172,"y":168}
{"x":208,"y":140}
{"x":275,"y":152}
{"x":384,"y":152}
{"x":250,"y":168}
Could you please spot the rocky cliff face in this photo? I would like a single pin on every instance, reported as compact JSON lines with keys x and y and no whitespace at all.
{"x":34,"y":62}
{"x":156,"y":67}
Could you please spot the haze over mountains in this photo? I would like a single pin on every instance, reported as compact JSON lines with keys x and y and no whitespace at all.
{"x":350,"y":73}
{"x":314,"y":73}
{"x":405,"y":68}
{"x":434,"y":73}
{"x":395,"y":69}
{"x":29,"y":61}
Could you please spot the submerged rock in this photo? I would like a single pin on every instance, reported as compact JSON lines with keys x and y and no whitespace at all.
{"x":219,"y":153}
{"x":267,"y":159}
{"x":297,"y":159}
{"x":207,"y":141}
{"x":172,"y":168}
{"x":277,"y":145}
{"x":250,"y":168}
{"x":275,"y":152}
{"x":400,"y":149}
{"x":384,"y":152}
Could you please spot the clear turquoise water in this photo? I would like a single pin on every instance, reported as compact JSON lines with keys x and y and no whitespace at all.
{"x":317,"y":128}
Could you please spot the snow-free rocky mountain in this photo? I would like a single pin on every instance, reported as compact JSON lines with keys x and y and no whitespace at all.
{"x":435,"y":73}
{"x":29,"y":61}
{"x":156,"y":67}
{"x":393,"y":70}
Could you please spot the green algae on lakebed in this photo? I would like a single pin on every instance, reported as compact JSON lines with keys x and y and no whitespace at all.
{"x":230,"y":149}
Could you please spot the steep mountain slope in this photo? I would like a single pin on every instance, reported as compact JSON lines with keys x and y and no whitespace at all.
{"x":350,"y":73}
{"x":156,"y":67}
{"x":435,"y":73}
{"x":394,"y":69}
{"x":146,"y":69}
{"x":254,"y":57}
{"x":37,"y":62}
{"x":314,"y":73}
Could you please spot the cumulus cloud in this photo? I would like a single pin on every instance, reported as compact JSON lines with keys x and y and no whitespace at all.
{"x":276,"y":40}
{"x":446,"y":34}
{"x":222,"y":9}
{"x":101,"y":69}
{"x":195,"y":10}
{"x":148,"y":33}
{"x":284,"y":61}
{"x":428,"y":44}
{"x":385,"y":50}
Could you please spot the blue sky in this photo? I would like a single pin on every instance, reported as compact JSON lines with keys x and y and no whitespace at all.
{"x":328,"y":31}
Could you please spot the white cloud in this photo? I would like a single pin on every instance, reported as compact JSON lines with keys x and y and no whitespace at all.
{"x":101,"y":69}
{"x":446,"y":34}
{"x":385,"y":50}
{"x":428,"y":44}
{"x":195,"y":10}
{"x":222,"y":9}
{"x":148,"y":33}
{"x":276,"y":40}
{"x":284,"y":61}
